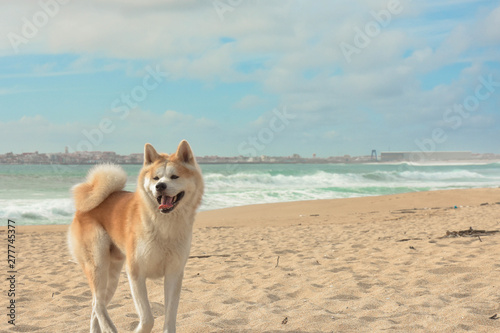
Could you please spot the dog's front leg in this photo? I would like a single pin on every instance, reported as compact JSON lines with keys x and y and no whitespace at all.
{"x":140,"y":296}
{"x":172,"y":289}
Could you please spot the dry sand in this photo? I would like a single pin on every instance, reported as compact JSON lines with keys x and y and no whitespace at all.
{"x":348,"y":265}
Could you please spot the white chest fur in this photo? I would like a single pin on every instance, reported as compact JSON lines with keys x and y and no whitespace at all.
{"x":163,"y":250}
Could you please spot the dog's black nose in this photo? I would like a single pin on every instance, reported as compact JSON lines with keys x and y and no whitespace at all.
{"x":161,"y":186}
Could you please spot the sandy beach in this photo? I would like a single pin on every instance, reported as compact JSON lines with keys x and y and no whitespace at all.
{"x":346,"y":265}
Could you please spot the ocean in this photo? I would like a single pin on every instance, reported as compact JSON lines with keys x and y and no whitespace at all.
{"x":40,"y":194}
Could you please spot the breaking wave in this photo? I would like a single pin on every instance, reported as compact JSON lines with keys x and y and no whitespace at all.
{"x":252,"y":188}
{"x":32,"y":211}
{"x":228,"y":186}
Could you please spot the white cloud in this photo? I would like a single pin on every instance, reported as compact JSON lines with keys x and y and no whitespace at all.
{"x":249,"y":101}
{"x":37,"y":133}
{"x":10,"y":90}
{"x":488,"y":30}
{"x":330,"y":135}
{"x":107,"y":133}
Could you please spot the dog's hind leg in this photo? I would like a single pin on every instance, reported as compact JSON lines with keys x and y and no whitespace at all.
{"x":117,"y":259}
{"x":115,"y":268}
{"x":112,"y":282}
{"x":98,"y":266}
{"x":100,"y":320}
{"x":94,"y":322}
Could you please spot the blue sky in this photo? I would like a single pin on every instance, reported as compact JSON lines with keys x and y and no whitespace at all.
{"x":250,"y":77}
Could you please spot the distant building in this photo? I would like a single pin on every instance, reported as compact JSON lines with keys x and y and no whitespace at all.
{"x":420,"y":156}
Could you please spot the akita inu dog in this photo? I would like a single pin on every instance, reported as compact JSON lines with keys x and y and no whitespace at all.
{"x":149,"y":229}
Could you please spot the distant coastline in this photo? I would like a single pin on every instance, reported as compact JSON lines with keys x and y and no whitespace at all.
{"x":94,"y":157}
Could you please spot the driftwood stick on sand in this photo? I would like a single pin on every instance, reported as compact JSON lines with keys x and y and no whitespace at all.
{"x":210,"y":255}
{"x":469,"y":233}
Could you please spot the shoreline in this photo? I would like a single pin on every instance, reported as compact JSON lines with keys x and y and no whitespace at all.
{"x":340,"y":209}
{"x":319,"y":160}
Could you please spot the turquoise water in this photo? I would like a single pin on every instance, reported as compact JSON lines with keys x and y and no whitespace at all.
{"x":40,"y":194}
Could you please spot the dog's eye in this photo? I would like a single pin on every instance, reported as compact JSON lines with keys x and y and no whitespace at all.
{"x":156,"y":178}
{"x":174,"y":177}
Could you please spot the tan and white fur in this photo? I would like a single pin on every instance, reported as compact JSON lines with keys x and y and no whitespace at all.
{"x":149,"y":230}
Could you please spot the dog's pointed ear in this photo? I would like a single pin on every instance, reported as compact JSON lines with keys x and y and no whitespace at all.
{"x":184,"y":153}
{"x":150,"y":154}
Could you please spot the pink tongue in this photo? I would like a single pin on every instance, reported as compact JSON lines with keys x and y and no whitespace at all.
{"x":166,"y":202}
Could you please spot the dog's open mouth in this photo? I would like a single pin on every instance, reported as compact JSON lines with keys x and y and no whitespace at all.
{"x":167,"y":204}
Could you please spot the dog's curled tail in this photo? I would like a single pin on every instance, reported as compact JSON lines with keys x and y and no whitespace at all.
{"x":102,"y":180}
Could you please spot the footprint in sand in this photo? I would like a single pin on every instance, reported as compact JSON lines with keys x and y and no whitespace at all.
{"x":158,"y":309}
{"x":75,"y":298}
{"x":231,"y":301}
{"x":450,"y":270}
{"x":114,"y":306}
{"x":212,"y":314}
